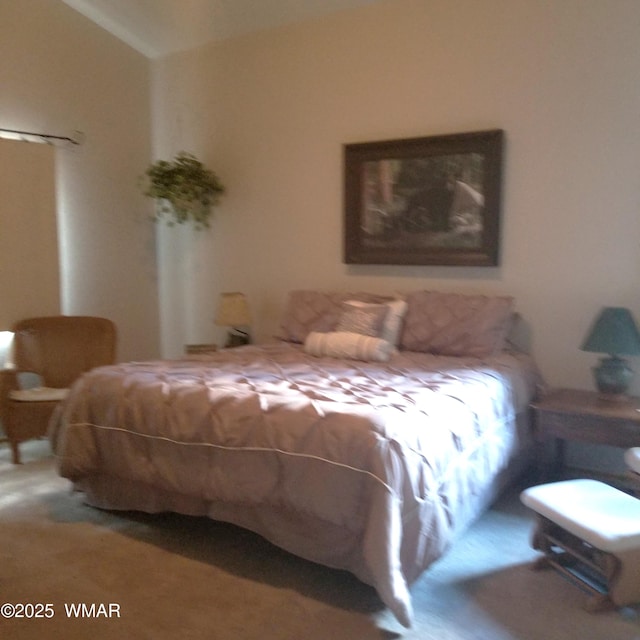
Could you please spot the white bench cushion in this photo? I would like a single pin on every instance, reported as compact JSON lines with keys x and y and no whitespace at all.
{"x":597,"y":513}
{"x":38,"y":394}
{"x":632,"y":458}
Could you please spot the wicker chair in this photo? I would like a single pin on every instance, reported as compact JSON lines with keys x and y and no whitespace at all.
{"x":52,"y":351}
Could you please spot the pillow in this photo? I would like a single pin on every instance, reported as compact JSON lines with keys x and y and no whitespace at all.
{"x":456,"y":325}
{"x":312,"y":310}
{"x":392,"y":325}
{"x":363,"y":318}
{"x":344,"y":344}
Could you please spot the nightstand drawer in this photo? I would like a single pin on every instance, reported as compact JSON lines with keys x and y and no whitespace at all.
{"x":200,"y":349}
{"x":582,"y":416}
{"x":597,"y":429}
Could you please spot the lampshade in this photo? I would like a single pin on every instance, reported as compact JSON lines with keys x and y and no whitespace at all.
{"x":614,"y":332}
{"x":233,"y":310}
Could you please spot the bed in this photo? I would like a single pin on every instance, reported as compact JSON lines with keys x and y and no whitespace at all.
{"x":360,"y":444}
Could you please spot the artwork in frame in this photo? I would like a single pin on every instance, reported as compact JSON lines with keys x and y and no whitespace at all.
{"x":424,"y":201}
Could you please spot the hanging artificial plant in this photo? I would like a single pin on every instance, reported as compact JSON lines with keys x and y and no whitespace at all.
{"x":184,"y":188}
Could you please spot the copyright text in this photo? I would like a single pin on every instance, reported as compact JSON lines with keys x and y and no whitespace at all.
{"x":71,"y":610}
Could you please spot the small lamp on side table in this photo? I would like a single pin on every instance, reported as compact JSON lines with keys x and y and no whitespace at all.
{"x":233,"y":311}
{"x":614,"y":332}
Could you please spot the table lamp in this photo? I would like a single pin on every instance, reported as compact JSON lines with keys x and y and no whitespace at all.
{"x":233,"y":311}
{"x":614,"y":332}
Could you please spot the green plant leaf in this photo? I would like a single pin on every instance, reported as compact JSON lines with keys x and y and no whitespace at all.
{"x":185,"y":190}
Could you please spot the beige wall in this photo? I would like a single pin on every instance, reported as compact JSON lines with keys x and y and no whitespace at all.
{"x":60,"y":73}
{"x":29,"y":265}
{"x":271,"y":111}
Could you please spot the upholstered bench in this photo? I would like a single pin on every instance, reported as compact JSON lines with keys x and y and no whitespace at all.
{"x":590,"y":532}
{"x":632,"y":458}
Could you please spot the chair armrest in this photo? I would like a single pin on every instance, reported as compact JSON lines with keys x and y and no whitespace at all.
{"x":8,"y":382}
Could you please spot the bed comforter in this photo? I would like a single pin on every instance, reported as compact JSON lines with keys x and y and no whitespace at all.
{"x":369,"y":467}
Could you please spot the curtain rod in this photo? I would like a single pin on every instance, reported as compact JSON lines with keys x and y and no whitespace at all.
{"x":42,"y":137}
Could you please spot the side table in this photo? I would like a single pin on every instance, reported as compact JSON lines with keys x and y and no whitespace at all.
{"x":575,"y":415}
{"x":200,"y":349}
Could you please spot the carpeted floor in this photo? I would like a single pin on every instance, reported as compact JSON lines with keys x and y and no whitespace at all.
{"x":189,"y":578}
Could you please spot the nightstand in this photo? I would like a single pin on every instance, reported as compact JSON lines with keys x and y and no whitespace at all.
{"x":574,"y":415}
{"x":200,"y":349}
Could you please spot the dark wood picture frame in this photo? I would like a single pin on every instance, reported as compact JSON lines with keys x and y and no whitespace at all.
{"x":424,"y":201}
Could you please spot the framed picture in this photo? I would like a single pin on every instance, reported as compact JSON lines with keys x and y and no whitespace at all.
{"x":424,"y":201}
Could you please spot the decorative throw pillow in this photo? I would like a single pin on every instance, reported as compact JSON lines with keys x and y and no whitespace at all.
{"x":344,"y":344}
{"x":307,"y":311}
{"x":392,"y":325}
{"x":366,"y":319}
{"x":310,"y":310}
{"x":456,"y":325}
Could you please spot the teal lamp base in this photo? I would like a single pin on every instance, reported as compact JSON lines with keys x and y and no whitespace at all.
{"x":612,"y":377}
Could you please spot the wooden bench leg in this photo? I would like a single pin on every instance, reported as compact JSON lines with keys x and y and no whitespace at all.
{"x":541,"y":563}
{"x":619,"y":574}
{"x":624,"y":585}
{"x":599,"y":603}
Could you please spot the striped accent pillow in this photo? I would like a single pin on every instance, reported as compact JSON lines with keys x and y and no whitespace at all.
{"x":345,"y":344}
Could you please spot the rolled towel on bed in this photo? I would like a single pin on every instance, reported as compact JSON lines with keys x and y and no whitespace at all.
{"x":346,"y":344}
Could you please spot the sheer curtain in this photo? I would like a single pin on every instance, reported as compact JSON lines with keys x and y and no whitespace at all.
{"x":29,"y":264}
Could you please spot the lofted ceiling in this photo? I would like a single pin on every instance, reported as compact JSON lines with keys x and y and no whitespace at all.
{"x":158,"y":27}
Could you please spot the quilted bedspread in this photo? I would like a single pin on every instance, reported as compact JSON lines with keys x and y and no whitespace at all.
{"x":369,"y":467}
